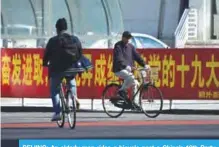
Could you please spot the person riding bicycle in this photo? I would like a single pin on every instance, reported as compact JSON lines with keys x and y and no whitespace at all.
{"x":61,"y":62}
{"x":124,"y":55}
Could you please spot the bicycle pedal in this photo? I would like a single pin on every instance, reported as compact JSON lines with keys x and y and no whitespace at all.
{"x":136,"y":108}
{"x":127,"y":106}
{"x":116,"y":100}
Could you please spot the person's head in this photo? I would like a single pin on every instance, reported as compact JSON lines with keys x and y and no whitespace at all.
{"x":61,"y":25}
{"x":126,"y":36}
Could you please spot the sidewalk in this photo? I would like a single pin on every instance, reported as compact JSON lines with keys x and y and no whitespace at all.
{"x":89,"y":105}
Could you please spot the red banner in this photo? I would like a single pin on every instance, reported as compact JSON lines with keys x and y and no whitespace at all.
{"x":183,"y":73}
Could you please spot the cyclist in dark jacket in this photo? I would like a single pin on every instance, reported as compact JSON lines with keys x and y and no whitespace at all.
{"x":124,"y":55}
{"x":57,"y":67}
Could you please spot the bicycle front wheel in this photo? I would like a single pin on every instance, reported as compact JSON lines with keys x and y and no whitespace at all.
{"x":61,"y":122}
{"x":71,"y":110}
{"x":151,"y":101}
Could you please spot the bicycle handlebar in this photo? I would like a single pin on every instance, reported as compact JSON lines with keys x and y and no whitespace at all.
{"x":140,"y":69}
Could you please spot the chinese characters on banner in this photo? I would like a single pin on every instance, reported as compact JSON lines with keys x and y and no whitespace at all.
{"x":183,"y":74}
{"x":22,"y":73}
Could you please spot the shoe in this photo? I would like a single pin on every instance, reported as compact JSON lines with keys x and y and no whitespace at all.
{"x":56,"y":117}
{"x":123,"y":94}
{"x":114,"y":100}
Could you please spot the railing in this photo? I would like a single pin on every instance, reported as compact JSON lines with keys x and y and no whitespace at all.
{"x":187,"y":28}
{"x":88,"y":40}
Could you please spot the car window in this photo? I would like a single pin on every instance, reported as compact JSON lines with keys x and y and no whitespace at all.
{"x":149,"y":43}
{"x":133,"y":42}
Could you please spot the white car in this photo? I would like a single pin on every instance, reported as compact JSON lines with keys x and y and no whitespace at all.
{"x":140,"y":41}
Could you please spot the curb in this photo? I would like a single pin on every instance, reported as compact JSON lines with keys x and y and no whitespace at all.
{"x":50,"y":109}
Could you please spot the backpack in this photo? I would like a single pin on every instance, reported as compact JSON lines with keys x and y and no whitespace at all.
{"x":68,"y":49}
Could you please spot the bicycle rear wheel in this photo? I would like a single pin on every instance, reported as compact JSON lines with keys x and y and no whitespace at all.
{"x":110,"y":95}
{"x":61,"y":122}
{"x":71,"y":110}
{"x":151,"y":95}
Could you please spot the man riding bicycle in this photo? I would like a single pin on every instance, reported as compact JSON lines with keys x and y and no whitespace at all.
{"x":124,"y":55}
{"x":59,"y":55}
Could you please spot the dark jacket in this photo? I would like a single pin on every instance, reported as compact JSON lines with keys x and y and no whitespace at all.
{"x":125,"y":55}
{"x":57,"y":65}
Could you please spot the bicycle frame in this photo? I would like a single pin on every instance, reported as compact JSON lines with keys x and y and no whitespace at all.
{"x":65,"y":87}
{"x":139,"y":89}
{"x":146,"y":80}
{"x":143,"y":84}
{"x":65,"y":100}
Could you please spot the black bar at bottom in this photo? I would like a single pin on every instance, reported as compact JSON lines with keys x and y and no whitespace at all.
{"x":9,"y":143}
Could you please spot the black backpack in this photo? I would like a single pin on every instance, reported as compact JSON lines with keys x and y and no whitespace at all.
{"x":68,"y":49}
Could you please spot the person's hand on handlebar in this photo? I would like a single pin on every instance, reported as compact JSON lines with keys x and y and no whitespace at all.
{"x":147,"y":67}
{"x":129,"y":68}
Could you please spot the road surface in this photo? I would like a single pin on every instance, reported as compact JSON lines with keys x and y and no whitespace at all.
{"x":99,"y":125}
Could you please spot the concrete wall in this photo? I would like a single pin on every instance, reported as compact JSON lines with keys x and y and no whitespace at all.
{"x":141,"y":16}
{"x":171,"y":20}
{"x":171,"y":17}
{"x":145,"y":14}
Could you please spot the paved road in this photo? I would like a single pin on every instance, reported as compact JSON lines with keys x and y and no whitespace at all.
{"x":92,"y":125}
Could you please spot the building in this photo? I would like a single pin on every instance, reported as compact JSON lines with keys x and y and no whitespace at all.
{"x":164,"y":18}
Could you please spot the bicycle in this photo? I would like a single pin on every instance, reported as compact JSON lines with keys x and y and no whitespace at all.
{"x":67,"y":98}
{"x":147,"y":85}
